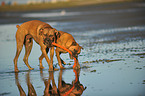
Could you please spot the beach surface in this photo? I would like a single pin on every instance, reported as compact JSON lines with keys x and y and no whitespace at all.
{"x":112,"y":61}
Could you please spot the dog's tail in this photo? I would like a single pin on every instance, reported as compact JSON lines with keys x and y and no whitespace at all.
{"x":17,"y":26}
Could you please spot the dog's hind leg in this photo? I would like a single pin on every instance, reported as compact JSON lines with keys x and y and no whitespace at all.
{"x":19,"y":48}
{"x":41,"y":58}
{"x":28,"y":46}
{"x":19,"y":41}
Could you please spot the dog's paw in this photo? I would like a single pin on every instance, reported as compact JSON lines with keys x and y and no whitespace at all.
{"x":53,"y":69}
{"x":62,"y":67}
{"x":16,"y":70}
{"x":41,"y":67}
{"x":31,"y":68}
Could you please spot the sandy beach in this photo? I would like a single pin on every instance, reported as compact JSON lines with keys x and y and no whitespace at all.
{"x":112,"y":62}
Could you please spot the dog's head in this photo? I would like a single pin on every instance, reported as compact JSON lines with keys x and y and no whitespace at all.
{"x":75,"y":48}
{"x":47,"y":33}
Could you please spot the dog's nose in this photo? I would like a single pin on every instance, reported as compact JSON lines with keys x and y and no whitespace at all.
{"x":50,"y":41}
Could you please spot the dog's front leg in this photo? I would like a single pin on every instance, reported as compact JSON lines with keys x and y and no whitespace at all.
{"x":51,"y":58}
{"x":43,"y":49}
{"x":58,"y":58}
{"x":51,"y":55}
{"x":41,"y":58}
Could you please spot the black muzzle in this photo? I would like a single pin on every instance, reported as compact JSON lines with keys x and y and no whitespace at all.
{"x":47,"y":41}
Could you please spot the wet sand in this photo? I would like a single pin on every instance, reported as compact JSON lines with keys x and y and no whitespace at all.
{"x":112,"y":62}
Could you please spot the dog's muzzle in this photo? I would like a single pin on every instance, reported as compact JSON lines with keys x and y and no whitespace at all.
{"x":48,"y":42}
{"x":75,"y":54}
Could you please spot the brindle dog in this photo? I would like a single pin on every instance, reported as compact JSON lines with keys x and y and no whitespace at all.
{"x":66,"y":40}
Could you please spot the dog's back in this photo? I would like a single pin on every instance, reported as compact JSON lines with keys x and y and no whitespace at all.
{"x":31,"y":28}
{"x":65,"y":39}
{"x":32,"y":25}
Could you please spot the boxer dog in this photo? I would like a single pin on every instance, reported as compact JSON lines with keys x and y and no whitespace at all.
{"x":43,"y":34}
{"x":66,"y":40}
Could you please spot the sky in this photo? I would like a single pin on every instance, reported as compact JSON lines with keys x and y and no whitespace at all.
{"x":21,"y":1}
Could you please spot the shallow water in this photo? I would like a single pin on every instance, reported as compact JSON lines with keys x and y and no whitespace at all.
{"x":112,"y":62}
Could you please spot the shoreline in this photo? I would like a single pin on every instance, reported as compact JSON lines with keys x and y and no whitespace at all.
{"x":46,"y":6}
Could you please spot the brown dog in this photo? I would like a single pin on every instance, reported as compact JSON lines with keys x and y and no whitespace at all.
{"x":43,"y":34}
{"x":66,"y":40}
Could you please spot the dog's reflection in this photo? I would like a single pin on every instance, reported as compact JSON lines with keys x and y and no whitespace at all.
{"x":74,"y":89}
{"x":64,"y":89}
{"x":31,"y":90}
{"x":50,"y":89}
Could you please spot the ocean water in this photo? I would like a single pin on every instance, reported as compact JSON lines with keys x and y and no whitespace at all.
{"x":112,"y":61}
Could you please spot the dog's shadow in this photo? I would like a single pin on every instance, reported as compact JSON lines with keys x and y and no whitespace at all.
{"x":51,"y":89}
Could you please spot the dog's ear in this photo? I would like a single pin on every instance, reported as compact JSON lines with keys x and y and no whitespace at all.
{"x":57,"y":33}
{"x":41,"y":27}
{"x":40,"y":30}
{"x":81,"y":47}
